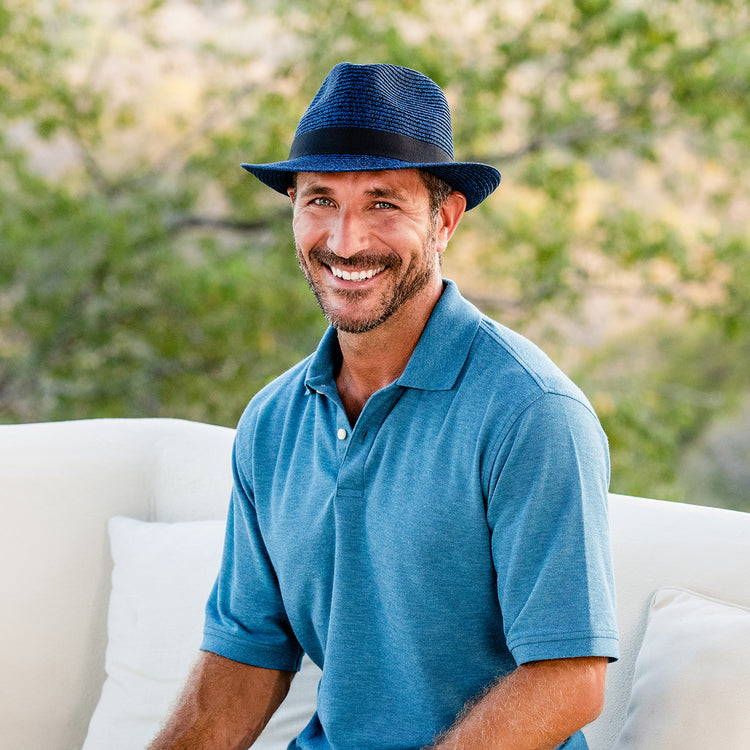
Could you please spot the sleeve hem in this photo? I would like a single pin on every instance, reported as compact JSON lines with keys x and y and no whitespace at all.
{"x":566,"y":648}
{"x":253,"y":654}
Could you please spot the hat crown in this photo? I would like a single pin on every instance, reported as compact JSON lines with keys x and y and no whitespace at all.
{"x":376,"y":118}
{"x":381,"y":97}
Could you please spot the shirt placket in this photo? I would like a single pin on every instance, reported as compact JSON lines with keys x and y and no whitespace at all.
{"x":354,"y":443}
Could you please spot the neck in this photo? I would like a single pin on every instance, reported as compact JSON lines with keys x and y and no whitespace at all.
{"x":373,"y":360}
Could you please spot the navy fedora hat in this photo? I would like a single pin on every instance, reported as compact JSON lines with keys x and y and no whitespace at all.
{"x":375,"y":117}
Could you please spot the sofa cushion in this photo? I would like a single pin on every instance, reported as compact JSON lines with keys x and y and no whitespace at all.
{"x":162,"y":575}
{"x":691,"y":688}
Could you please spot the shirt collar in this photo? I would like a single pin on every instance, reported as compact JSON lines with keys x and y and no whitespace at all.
{"x":323,"y":364}
{"x":442,"y":349}
{"x":438,"y":358}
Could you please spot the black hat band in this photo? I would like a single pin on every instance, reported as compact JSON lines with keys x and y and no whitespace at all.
{"x":367,"y":142}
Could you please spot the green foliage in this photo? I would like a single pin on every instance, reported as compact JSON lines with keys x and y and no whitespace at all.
{"x":122,"y":317}
{"x":143,"y":273}
{"x":654,"y":402}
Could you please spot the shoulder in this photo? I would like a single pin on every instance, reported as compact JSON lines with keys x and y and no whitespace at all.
{"x":521,"y":370}
{"x":530,"y":409}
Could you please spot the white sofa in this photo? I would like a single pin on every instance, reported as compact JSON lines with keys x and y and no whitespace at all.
{"x":60,"y":483}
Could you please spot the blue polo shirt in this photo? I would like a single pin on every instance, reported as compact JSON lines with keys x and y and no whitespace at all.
{"x":458,"y":529}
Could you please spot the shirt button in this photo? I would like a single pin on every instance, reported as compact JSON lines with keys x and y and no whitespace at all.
{"x":341,"y":434}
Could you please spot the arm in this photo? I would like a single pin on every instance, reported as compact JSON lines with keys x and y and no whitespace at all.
{"x":224,"y":706}
{"x":536,"y":707}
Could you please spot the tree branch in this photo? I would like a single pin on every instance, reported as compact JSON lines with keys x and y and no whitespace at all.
{"x":184,"y":223}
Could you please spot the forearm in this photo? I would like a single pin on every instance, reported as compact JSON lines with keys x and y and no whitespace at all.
{"x":536,"y":707}
{"x":224,"y":706}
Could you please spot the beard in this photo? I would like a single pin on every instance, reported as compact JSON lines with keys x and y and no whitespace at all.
{"x":410,"y":281}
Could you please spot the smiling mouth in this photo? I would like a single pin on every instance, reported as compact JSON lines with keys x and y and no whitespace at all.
{"x":342,"y":273}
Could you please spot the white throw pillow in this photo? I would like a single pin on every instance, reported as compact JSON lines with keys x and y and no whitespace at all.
{"x":691,"y":688}
{"x":162,"y":576}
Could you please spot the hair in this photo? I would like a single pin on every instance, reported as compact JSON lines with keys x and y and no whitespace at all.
{"x":437,"y":188}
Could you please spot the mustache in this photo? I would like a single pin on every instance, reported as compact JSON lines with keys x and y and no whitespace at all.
{"x":359,"y":262}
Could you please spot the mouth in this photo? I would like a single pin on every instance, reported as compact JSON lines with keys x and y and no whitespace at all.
{"x":364,"y":275}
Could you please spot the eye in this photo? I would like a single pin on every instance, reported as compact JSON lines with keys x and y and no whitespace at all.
{"x":321,"y":201}
{"x":384,"y":205}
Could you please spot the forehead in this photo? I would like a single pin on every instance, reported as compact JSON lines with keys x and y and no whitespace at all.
{"x":405,"y":183}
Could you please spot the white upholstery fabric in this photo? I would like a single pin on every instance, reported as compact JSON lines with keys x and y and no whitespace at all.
{"x":655,"y":544}
{"x":161,"y":578}
{"x":692,"y":676}
{"x":60,"y":483}
{"x":163,"y":573}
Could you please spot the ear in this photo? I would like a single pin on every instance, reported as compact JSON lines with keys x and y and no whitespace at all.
{"x":449,"y":215}
{"x":290,"y":193}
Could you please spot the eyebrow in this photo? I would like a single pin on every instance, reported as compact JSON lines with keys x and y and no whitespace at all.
{"x":383,"y":193}
{"x":314,"y":188}
{"x":378,"y":192}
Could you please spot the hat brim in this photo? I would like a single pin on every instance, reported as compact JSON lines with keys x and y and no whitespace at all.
{"x":475,"y":180}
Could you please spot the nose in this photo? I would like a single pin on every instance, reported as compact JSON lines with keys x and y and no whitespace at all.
{"x":347,"y":235}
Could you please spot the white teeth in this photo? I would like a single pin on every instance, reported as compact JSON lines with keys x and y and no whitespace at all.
{"x":355,"y":275}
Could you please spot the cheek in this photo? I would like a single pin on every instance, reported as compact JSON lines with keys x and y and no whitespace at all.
{"x":305,"y":230}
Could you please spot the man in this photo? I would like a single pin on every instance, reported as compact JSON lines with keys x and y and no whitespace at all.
{"x":420,"y":505}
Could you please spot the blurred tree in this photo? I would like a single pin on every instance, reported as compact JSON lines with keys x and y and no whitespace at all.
{"x":718,"y":464}
{"x":118,"y":297}
{"x":143,"y":273}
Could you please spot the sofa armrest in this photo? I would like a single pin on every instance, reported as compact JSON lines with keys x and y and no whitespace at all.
{"x":654,"y":544}
{"x":60,"y":483}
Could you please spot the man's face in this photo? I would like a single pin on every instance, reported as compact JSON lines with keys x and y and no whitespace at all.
{"x":366,"y":242}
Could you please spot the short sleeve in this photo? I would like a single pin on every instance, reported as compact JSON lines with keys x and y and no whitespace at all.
{"x":245,"y":616}
{"x":550,"y":533}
